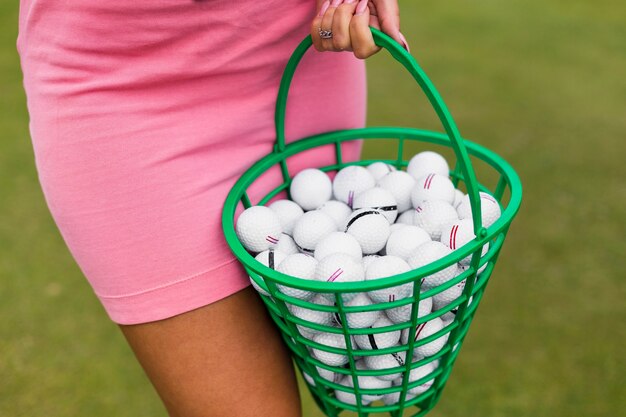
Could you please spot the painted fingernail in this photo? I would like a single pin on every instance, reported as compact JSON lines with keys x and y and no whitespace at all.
{"x":336,"y":3}
{"x":360,"y":8}
{"x":404,"y":42}
{"x":324,"y":7}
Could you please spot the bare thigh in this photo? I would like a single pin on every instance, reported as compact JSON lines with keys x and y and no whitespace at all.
{"x":225,"y":359}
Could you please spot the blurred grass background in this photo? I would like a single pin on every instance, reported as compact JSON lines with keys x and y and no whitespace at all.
{"x":542,"y":83}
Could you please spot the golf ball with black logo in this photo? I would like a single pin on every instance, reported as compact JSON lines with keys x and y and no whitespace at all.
{"x":270,"y":258}
{"x":375,"y":341}
{"x":379,"y":199}
{"x":370,"y":228}
{"x":399,"y":184}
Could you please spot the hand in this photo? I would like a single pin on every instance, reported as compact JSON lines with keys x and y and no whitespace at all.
{"x":349,"y":22}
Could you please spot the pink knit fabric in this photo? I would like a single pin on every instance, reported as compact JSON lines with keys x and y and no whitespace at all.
{"x":144,"y":114}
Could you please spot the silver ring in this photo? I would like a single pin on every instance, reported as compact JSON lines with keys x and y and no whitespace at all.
{"x":325,"y":34}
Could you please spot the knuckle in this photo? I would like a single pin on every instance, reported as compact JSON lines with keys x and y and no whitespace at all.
{"x":327,"y":45}
{"x":339,"y":42}
{"x":360,"y":53}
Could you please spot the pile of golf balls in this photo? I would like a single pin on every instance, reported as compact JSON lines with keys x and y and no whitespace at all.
{"x":365,"y":224}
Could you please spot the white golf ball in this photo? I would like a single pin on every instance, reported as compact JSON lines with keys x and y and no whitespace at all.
{"x":311,"y":228}
{"x":339,"y":267}
{"x":397,"y":226}
{"x":459,"y":233}
{"x":311,"y":188}
{"x":458,"y":197}
{"x":288,"y":213}
{"x":286,"y":245}
{"x":448,"y":317}
{"x":424,"y":330}
{"x":480,"y":270}
{"x":347,"y":397}
{"x":338,"y":242}
{"x":379,"y":199}
{"x":298,"y":265}
{"x":426,"y":162}
{"x":368,"y":382}
{"x":258,"y":228}
{"x":433,"y":215}
{"x":432,"y":187}
{"x":329,"y":375}
{"x":370,"y":228}
{"x":332,"y":340}
{"x":338,"y":210}
{"x":367,"y":260}
{"x":443,"y":298}
{"x":359,"y":320}
{"x":324,"y":374}
{"x":406,"y":218}
{"x":490,"y":209}
{"x":350,"y":182}
{"x":394,"y":398}
{"x":419,"y":373}
{"x":402,"y":314}
{"x":380,"y":169}
{"x":324,"y":318}
{"x":387,"y":266}
{"x":270,"y":258}
{"x":374,"y":341}
{"x":403,"y":241}
{"x":428,"y":253}
{"x":386,"y":361}
{"x":399,"y":184}
{"x":308,"y":378}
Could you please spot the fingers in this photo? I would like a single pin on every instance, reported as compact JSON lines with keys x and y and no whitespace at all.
{"x":334,"y":16}
{"x":327,"y":24}
{"x":388,"y":13}
{"x":317,"y":24}
{"x":341,"y":25}
{"x":347,"y":23}
{"x":360,"y":35}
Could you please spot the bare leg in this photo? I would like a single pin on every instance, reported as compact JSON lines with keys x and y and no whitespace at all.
{"x":225,"y":359}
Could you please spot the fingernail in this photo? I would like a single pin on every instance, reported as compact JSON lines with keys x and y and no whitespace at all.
{"x":406,"y":44}
{"x":348,"y":1}
{"x":360,"y":8}
{"x":336,"y":3}
{"x":324,"y":7}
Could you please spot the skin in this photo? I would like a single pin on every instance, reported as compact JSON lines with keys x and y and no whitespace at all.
{"x":349,"y":21}
{"x":224,"y":359}
{"x":227,"y":358}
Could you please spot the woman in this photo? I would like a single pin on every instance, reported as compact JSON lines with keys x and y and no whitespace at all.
{"x":143,"y":114}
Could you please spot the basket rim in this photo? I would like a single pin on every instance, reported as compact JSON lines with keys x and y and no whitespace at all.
{"x":375,"y":132}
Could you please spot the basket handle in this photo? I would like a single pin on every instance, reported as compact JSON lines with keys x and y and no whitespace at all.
{"x":407,"y":60}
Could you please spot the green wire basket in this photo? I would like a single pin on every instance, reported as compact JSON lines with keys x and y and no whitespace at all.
{"x":476,"y":276}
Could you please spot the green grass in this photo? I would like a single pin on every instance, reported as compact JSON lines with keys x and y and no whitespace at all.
{"x":539,"y":82}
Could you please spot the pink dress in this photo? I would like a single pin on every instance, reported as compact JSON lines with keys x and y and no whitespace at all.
{"x":144,"y":113}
